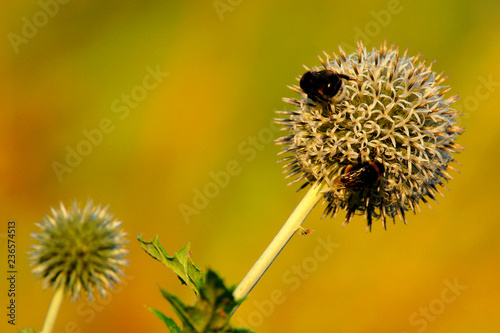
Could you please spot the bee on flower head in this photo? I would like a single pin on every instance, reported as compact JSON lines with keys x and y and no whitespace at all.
{"x":324,"y":87}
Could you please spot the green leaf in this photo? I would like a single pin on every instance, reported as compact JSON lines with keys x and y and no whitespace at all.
{"x":214,"y":303}
{"x":26,"y":330}
{"x":180,"y":309}
{"x":172,"y":326}
{"x":212,"y":309}
{"x":180,"y":262}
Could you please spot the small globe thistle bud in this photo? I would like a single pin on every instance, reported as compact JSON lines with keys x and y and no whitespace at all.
{"x":79,"y":249}
{"x":375,"y":128}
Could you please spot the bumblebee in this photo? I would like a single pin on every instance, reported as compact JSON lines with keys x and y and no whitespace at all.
{"x":325,"y":86}
{"x":361,"y":175}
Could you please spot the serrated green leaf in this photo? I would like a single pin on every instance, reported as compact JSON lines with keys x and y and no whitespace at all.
{"x":214,"y":303}
{"x":217,"y":301}
{"x":180,"y":309}
{"x":180,"y":262}
{"x":212,"y":309}
{"x":169,"y":322}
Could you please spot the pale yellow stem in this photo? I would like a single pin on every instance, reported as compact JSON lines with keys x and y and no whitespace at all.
{"x":50,"y":319}
{"x":280,"y":240}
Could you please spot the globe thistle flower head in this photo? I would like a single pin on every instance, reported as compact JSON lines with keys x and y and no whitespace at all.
{"x":375,"y":128}
{"x":79,"y":249}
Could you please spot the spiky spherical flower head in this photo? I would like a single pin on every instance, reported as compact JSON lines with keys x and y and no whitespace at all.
{"x":79,"y":249}
{"x":375,"y":128}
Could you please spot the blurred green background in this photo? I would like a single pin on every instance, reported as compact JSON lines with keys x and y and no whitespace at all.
{"x":222,"y":68}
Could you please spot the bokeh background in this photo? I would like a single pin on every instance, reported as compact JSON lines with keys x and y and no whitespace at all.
{"x":223,"y":68}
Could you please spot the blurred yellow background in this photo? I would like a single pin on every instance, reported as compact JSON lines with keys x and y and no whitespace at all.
{"x":180,"y":91}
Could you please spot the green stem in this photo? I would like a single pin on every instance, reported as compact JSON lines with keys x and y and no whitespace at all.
{"x":280,"y":240}
{"x":50,"y":319}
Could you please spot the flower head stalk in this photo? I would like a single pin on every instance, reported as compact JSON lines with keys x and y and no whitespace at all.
{"x":371,"y":133}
